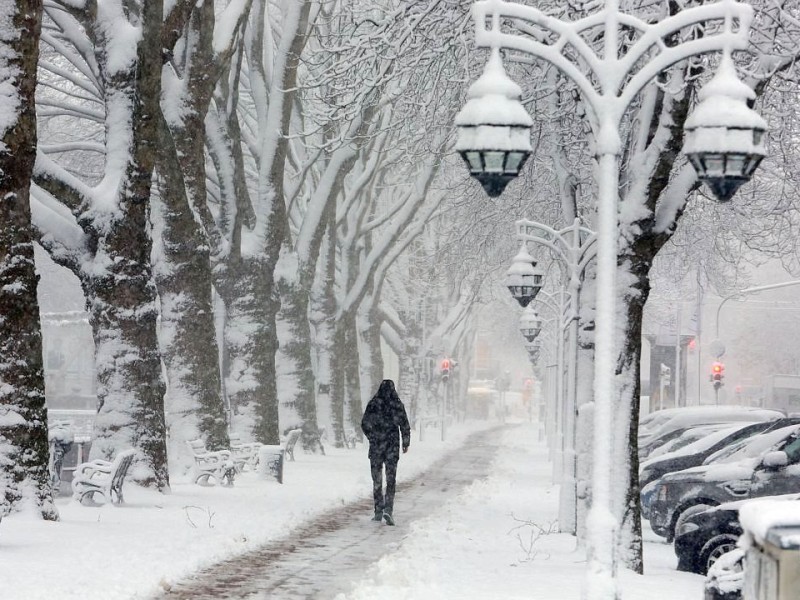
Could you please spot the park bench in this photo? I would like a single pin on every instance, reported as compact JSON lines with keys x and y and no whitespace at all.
{"x":102,"y":477}
{"x":244,"y":453}
{"x":291,"y":442}
{"x":212,"y":464}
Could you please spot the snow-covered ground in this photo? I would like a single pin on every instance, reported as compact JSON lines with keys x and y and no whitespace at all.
{"x":494,"y":541}
{"x":479,"y":545}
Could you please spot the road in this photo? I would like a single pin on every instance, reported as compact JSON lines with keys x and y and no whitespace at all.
{"x":325,"y":557}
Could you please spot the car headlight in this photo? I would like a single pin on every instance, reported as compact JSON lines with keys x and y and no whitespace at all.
{"x":662,"y":493}
{"x":686,"y":527}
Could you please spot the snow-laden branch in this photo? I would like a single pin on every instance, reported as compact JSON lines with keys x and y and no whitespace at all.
{"x":673,"y":199}
{"x":59,"y":183}
{"x":385,"y":252}
{"x":57,"y":230}
{"x":72,"y":147}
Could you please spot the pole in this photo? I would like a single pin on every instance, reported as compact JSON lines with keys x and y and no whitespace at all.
{"x":697,"y":340}
{"x":601,"y":580}
{"x":444,"y":408}
{"x":678,"y":358}
{"x":558,"y":463}
{"x":568,"y":514}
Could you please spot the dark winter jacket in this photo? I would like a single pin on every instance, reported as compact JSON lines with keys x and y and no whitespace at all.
{"x":384,"y":421}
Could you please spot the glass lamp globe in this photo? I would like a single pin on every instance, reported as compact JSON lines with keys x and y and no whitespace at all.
{"x":494,"y":128}
{"x":724,"y":136}
{"x":524,"y":278}
{"x":530,"y":324}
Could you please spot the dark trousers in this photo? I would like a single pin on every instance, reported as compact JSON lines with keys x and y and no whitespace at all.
{"x":383,"y":503}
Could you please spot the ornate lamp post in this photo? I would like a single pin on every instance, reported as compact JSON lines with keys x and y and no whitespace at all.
{"x":530,"y":324}
{"x":573,"y":247}
{"x":611,"y":81}
{"x":524,"y":278}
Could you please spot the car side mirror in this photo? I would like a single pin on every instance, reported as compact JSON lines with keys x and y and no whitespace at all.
{"x":775,"y":459}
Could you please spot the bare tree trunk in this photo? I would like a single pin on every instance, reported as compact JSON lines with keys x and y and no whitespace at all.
{"x":183,"y":276}
{"x":122,"y":297}
{"x":355,"y":409}
{"x":369,"y":349}
{"x":24,"y":478}
{"x":295,"y":353}
{"x":339,"y":383}
{"x":246,"y":289}
{"x":323,"y":317}
{"x":195,"y":406}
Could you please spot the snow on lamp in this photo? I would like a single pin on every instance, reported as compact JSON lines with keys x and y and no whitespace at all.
{"x":524,"y":278}
{"x":530,"y":324}
{"x":724,"y":136}
{"x":532,"y":346}
{"x":533,"y":354}
{"x":494,"y":128}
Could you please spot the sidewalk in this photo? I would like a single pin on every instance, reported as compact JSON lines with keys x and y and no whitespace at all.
{"x":138,"y":549}
{"x":495,"y":542}
{"x":491,"y":541}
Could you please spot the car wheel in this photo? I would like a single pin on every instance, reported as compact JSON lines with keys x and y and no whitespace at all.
{"x":716,"y":547}
{"x":687,"y":512}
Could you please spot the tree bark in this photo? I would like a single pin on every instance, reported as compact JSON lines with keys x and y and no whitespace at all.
{"x":246,"y":288}
{"x":195,"y":407}
{"x":122,"y":296}
{"x":24,"y":453}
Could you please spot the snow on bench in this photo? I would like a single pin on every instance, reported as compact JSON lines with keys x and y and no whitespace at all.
{"x":212,"y":465}
{"x":102,"y":477}
{"x":244,"y":453}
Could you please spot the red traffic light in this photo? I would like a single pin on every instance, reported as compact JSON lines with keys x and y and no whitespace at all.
{"x":445,"y":366}
{"x":717,"y":368}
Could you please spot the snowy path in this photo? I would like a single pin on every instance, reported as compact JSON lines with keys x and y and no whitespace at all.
{"x":326,"y":556}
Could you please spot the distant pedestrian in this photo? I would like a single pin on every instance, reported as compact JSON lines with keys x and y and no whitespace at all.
{"x":384,"y":422}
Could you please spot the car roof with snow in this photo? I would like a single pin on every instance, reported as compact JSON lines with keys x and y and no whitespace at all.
{"x":713,"y":414}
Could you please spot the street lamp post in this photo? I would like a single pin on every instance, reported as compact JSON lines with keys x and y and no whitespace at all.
{"x":557,"y":305}
{"x":574,"y":247}
{"x":726,"y":147}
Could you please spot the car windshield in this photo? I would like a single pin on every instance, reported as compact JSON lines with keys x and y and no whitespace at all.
{"x":709,"y":440}
{"x":691,"y":438}
{"x":751,"y":447}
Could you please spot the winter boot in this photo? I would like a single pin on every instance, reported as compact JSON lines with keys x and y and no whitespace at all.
{"x":388,"y":518}
{"x":378,"y":516}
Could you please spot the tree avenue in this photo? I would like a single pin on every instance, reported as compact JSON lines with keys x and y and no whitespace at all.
{"x":256,"y":195}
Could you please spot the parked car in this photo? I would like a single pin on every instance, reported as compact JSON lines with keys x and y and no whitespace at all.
{"x":764,"y":465}
{"x":694,"y":416}
{"x":675,"y":439}
{"x":697,"y":452}
{"x":707,"y":534}
{"x":688,"y":436}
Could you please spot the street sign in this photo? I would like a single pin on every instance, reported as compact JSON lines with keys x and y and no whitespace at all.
{"x":717,"y":349}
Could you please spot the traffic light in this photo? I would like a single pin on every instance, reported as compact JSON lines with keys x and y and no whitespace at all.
{"x":444,"y":369}
{"x":717,"y":374}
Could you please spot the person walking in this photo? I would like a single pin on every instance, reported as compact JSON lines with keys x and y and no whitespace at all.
{"x":384,"y":422}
